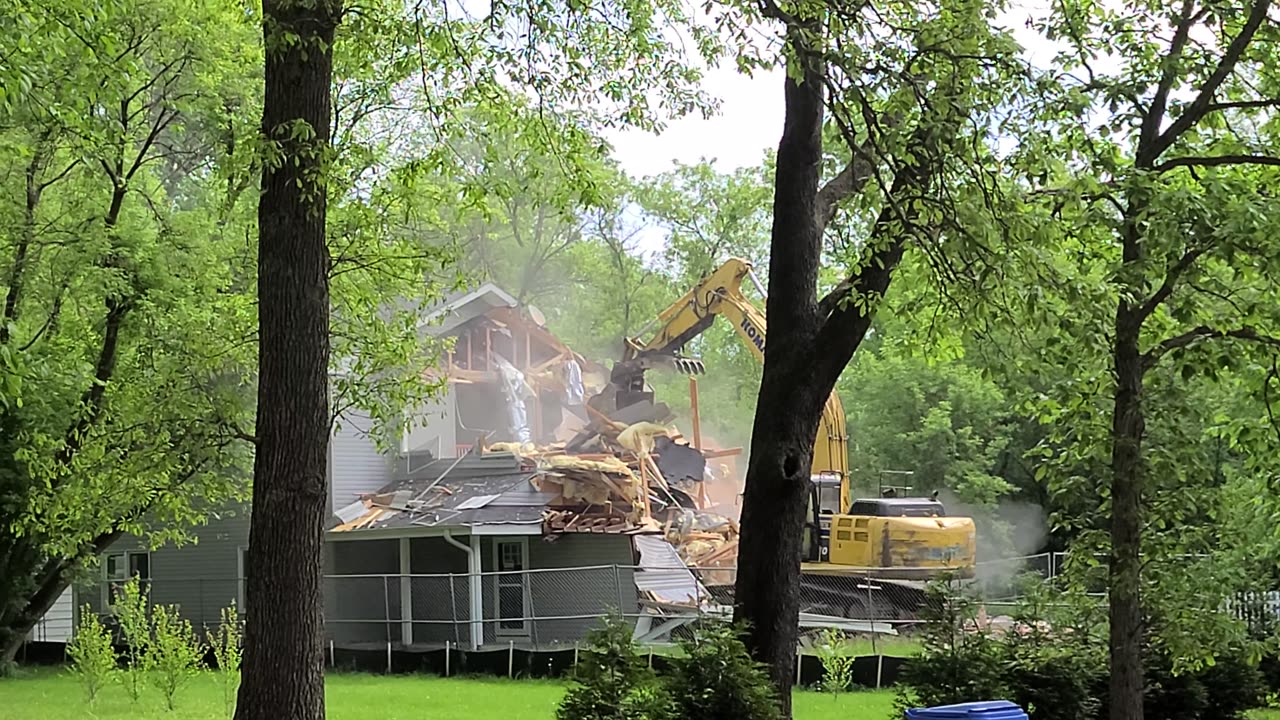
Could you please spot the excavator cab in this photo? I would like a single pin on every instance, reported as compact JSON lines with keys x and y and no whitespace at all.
{"x":824,"y":501}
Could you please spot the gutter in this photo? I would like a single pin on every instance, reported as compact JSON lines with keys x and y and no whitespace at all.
{"x":473,"y":585}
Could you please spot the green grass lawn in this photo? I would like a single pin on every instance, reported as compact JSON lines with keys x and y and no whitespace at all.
{"x":55,"y":695}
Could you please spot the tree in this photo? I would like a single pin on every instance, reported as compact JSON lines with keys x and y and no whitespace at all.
{"x":283,"y":656}
{"x":283,"y":662}
{"x":1168,"y":206}
{"x":904,"y":110}
{"x":122,"y":332}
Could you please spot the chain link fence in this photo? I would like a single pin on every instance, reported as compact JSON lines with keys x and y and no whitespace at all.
{"x":555,"y":608}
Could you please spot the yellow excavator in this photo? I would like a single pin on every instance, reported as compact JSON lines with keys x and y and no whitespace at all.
{"x":891,"y":538}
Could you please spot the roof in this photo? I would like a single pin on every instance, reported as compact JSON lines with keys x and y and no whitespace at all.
{"x":488,"y":489}
{"x":899,"y":501}
{"x":462,"y":307}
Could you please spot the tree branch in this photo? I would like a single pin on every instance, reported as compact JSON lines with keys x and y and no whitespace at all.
{"x":1243,"y":104}
{"x":1171,"y":276}
{"x":1215,"y":161}
{"x":91,"y":400}
{"x":1148,"y":154}
{"x":851,"y":179}
{"x":1150,"y":130}
{"x":1204,"y":332}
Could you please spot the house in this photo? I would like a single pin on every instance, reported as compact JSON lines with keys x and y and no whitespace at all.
{"x":464,"y":534}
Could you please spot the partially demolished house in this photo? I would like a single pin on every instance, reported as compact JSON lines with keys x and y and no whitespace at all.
{"x":537,"y":498}
{"x":511,"y":512}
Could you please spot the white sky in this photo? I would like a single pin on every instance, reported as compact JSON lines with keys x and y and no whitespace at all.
{"x":750,"y":120}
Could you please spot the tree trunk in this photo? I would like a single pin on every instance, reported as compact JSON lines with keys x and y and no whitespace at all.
{"x":18,"y":623}
{"x":791,"y":397}
{"x":1126,"y":517}
{"x":283,"y":675}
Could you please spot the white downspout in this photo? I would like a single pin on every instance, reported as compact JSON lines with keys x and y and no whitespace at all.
{"x":473,"y":583}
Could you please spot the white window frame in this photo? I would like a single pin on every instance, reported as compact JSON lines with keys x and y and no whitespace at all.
{"x":499,"y":630}
{"x":124,"y":561}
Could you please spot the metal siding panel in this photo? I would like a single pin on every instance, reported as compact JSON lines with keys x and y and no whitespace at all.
{"x":57,"y":624}
{"x":434,"y":427}
{"x":580,"y":592}
{"x":356,"y":466}
{"x":202,"y":577}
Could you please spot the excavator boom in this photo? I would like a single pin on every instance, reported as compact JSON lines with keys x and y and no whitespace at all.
{"x":720,"y":294}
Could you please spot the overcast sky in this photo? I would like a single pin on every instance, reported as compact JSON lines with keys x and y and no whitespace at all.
{"x":750,"y":118}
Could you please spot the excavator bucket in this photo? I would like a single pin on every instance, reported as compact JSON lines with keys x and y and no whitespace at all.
{"x":689,"y":366}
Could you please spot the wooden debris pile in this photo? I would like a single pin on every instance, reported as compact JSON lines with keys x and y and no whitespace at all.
{"x":610,"y":480}
{"x":607,"y":477}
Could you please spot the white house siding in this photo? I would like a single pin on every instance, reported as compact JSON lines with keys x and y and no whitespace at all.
{"x":432,"y":428}
{"x":57,"y":625}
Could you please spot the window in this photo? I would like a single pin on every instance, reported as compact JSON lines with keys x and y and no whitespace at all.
{"x":512,"y":558}
{"x":118,"y":568}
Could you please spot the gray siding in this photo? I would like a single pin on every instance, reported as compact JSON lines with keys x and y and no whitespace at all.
{"x":580,"y":592}
{"x":201,"y":577}
{"x":433,"y":428}
{"x":58,"y":624}
{"x":355,"y":465}
{"x":365,"y":608}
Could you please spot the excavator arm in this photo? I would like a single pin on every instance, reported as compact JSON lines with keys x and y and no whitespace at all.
{"x":720,"y":294}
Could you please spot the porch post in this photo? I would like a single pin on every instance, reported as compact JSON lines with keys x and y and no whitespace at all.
{"x":406,"y":595}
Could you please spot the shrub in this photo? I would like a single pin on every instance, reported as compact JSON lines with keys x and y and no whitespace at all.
{"x":93,"y":660}
{"x":1054,"y":669}
{"x":227,"y":651}
{"x":611,"y":682}
{"x":175,"y":653}
{"x":716,"y":679}
{"x":957,"y":662}
{"x":837,"y":661}
{"x":135,"y":630}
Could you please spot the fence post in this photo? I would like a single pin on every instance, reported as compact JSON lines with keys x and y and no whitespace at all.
{"x":617,"y":584}
{"x":453,"y":610}
{"x":386,"y":614}
{"x":533,"y":611}
{"x":871,"y":610}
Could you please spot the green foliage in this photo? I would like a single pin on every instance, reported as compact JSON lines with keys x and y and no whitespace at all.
{"x":1052,"y":661}
{"x":837,"y":661}
{"x":132,"y":612}
{"x":228,"y":653}
{"x":956,"y":663}
{"x":716,"y":679}
{"x":93,"y":659}
{"x":612,"y":682}
{"x":944,"y":422}
{"x":175,"y":654}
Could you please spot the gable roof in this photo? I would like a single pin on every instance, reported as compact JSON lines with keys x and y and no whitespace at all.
{"x":462,"y":307}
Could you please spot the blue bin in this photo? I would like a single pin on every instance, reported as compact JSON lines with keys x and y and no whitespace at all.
{"x":989,"y":710}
